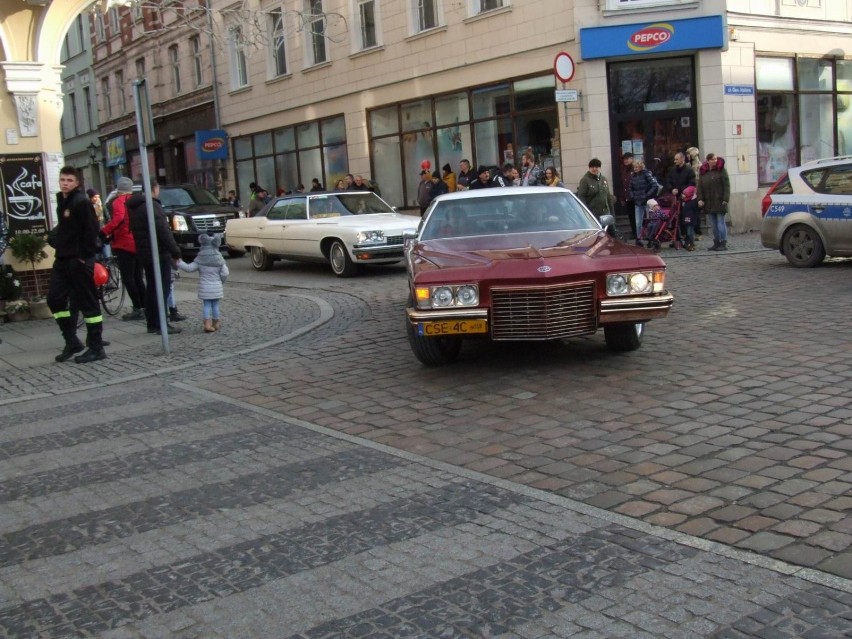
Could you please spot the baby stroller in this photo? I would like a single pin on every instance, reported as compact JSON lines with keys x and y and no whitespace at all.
{"x":663,"y":225}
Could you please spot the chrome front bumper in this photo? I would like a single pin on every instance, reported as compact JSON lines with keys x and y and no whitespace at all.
{"x":635,"y":309}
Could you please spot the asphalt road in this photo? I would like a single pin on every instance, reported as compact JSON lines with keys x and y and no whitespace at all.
{"x":301,"y":474}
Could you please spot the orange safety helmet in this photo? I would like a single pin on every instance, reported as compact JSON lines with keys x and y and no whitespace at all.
{"x":101,"y":275}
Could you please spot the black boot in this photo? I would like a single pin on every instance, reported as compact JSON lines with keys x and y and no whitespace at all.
{"x":723,"y":246}
{"x":72,"y":346}
{"x":715,"y":246}
{"x":94,"y":341}
{"x":174,"y":316}
{"x":134,"y":315}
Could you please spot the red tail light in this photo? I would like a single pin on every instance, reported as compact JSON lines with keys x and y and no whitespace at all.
{"x":766,"y":202}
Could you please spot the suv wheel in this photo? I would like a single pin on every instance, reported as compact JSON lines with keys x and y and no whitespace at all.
{"x":802,"y":246}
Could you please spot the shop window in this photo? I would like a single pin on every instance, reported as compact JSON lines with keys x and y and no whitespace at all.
{"x":652,"y":85}
{"x":384,"y":121}
{"x":263,"y":143}
{"x":802,"y":112}
{"x":334,"y":131}
{"x":307,"y":135}
{"x":242,"y":148}
{"x":285,"y":140}
{"x":387,"y":160}
{"x":416,"y":115}
{"x":491,"y":101}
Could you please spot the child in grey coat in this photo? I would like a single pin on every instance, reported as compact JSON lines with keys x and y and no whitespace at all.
{"x":212,"y":273}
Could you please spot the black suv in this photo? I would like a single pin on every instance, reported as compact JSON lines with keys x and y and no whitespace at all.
{"x":191,"y":210}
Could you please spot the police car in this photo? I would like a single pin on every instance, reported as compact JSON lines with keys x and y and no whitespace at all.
{"x":807,"y":213}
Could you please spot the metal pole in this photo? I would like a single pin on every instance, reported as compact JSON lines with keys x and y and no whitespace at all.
{"x":144,"y":128}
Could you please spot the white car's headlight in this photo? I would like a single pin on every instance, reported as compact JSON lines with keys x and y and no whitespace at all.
{"x":447,"y":296}
{"x":635,"y":283}
{"x":179,"y":223}
{"x":370,"y":237}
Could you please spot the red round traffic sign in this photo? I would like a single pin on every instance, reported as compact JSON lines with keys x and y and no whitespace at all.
{"x":563,"y":67}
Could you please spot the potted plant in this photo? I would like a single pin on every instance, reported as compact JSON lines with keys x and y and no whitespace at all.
{"x":17,"y":310}
{"x":29,"y":247}
{"x":10,"y":286}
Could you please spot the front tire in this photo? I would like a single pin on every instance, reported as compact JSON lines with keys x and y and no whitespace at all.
{"x":624,"y":337}
{"x":432,"y":351}
{"x":341,"y":263}
{"x":802,"y":246}
{"x":260,"y":259}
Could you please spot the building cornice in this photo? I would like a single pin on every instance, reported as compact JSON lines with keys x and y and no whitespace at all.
{"x":788,"y":25}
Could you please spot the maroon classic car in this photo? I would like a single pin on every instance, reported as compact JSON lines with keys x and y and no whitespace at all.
{"x":525,"y":263}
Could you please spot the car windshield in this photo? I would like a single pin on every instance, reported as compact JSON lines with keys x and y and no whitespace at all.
{"x":506,"y":214}
{"x":179,"y":197}
{"x":337,"y":204}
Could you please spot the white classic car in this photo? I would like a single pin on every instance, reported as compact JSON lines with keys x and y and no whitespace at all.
{"x":344,"y":229}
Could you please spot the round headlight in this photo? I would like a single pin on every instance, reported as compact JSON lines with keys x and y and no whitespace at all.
{"x":442,"y":296}
{"x":639,"y":283}
{"x":467,"y":295}
{"x":616,"y":285}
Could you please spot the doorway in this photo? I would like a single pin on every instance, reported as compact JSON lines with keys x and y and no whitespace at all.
{"x":653,"y":113}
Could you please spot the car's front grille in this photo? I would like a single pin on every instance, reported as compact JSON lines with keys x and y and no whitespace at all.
{"x":393,"y":240}
{"x":206,"y":223}
{"x":543,"y":312}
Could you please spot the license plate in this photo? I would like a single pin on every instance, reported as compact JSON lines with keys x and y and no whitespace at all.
{"x":452,"y":327}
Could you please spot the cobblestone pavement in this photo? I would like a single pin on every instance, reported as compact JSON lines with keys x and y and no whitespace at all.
{"x":164,"y":511}
{"x":300,"y":474}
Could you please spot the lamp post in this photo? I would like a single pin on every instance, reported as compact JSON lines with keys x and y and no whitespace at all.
{"x":94,"y":161}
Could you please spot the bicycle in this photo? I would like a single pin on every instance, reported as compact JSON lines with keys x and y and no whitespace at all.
{"x":110,"y":295}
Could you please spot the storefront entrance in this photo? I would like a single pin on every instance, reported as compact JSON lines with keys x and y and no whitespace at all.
{"x":653,"y":114}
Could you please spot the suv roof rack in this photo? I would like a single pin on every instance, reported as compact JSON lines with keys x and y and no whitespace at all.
{"x":836,"y":158}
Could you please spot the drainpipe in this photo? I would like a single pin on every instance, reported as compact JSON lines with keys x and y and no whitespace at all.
{"x":218,"y":169}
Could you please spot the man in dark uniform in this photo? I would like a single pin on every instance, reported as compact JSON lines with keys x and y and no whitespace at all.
{"x":72,"y":279}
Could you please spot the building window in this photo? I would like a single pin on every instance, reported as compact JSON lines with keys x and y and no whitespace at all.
{"x":73,"y":129}
{"x":174,"y":63}
{"x":277,"y":53}
{"x":105,"y":90}
{"x":366,"y":23}
{"x":239,"y":70}
{"x":122,"y":96}
{"x":113,"y":21}
{"x":483,"y":6}
{"x":140,"y":67}
{"x":99,"y":27}
{"x":315,"y":32}
{"x":482,"y":124}
{"x":87,"y":97}
{"x":136,"y":11}
{"x":195,"y":44}
{"x":802,"y":112}
{"x":426,"y":12}
{"x":287,"y":157}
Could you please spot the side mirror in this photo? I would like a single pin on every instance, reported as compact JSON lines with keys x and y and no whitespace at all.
{"x":608,"y":223}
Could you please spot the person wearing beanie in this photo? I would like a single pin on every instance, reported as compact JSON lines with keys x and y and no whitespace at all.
{"x":449,"y":177}
{"x":483,"y":178}
{"x":594,"y":190}
{"x":117,"y":232}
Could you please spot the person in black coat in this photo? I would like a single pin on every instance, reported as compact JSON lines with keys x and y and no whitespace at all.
{"x":167,"y":253}
{"x":72,"y":285}
{"x":643,"y":187}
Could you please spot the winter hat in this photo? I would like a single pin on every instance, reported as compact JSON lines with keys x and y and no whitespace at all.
{"x":91,"y":193}
{"x":124,"y":185}
{"x":482,"y":169}
{"x":652,"y":204}
{"x":447,"y":168}
{"x":689,"y":192}
{"x":208,"y":253}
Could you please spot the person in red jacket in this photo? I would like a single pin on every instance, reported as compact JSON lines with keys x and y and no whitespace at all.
{"x":124,"y":249}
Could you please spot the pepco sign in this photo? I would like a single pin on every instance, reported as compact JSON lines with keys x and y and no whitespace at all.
{"x":213,"y":144}
{"x":650,"y":37}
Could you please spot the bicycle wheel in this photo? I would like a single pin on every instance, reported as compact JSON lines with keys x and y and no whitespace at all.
{"x":112,"y":293}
